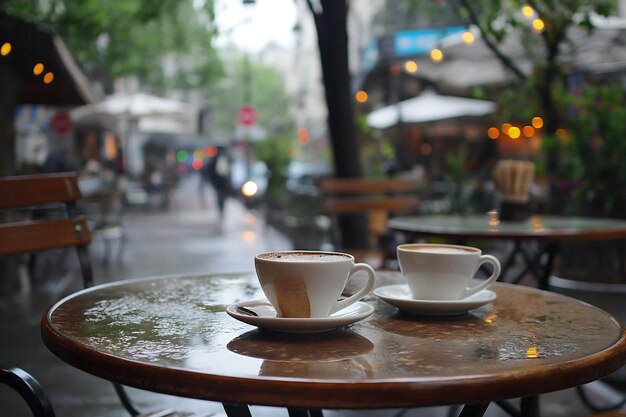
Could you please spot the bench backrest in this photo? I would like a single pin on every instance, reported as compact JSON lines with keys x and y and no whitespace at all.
{"x":25,"y":233}
{"x":377,"y":198}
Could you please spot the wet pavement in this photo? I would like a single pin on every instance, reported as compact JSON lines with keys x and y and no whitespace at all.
{"x":189,"y":237}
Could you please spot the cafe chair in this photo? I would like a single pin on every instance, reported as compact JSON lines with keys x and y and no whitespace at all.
{"x":38,"y":213}
{"x":29,"y":389}
{"x":378,"y":200}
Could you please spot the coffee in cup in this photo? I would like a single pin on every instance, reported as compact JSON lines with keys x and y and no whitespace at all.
{"x":309,"y":283}
{"x":443,"y":272}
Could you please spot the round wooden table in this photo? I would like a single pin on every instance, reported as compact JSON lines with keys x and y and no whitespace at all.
{"x":545,"y":231}
{"x":172,"y":335}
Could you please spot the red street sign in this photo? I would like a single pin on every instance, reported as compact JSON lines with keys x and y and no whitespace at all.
{"x":61,"y":123}
{"x":247,"y":115}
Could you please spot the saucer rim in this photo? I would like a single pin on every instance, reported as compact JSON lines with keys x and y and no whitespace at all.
{"x":299,"y":324}
{"x":435,"y":307}
{"x":490,"y":295}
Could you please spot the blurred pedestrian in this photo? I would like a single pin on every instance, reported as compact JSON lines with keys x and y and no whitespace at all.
{"x":220,"y":178}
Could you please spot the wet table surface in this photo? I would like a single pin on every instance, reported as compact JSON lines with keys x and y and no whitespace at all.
{"x":172,"y":335}
{"x":552,"y":228}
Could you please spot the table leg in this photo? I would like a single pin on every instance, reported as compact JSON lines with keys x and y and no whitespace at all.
{"x":529,"y":406}
{"x":510,"y":260}
{"x":303,"y":412}
{"x":544,"y":279}
{"x":237,"y":410}
{"x":474,"y":410}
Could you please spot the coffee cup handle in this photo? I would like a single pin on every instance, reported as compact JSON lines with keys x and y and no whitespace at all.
{"x":369,"y":286}
{"x":489,"y":259}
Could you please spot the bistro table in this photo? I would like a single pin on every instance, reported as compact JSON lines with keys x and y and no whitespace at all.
{"x":545,"y":232}
{"x":172,"y":335}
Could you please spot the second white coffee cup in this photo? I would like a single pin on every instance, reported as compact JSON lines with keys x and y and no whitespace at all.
{"x":303,"y":284}
{"x":444,"y":272}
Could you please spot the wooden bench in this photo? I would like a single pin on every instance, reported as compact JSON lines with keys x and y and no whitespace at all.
{"x":39,"y":214}
{"x":377,"y":199}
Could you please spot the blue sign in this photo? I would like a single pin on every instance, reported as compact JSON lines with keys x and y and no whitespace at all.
{"x":421,"y":41}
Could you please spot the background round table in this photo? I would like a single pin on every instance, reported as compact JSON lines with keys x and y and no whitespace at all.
{"x":547,"y":232}
{"x":172,"y":335}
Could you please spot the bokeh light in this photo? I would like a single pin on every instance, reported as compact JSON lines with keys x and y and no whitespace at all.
{"x":48,"y":78}
{"x":538,"y":25}
{"x":506,"y":127}
{"x":181,"y":156}
{"x":303,"y":135}
{"x":528,"y":131}
{"x":5,"y":49}
{"x":527,"y":10}
{"x":411,"y":67}
{"x":38,"y":68}
{"x":493,"y":133}
{"x":361,"y":96}
{"x":436,"y":55}
{"x":426,"y":149}
{"x":537,"y":122}
{"x":197,"y":164}
{"x":210,"y":151}
{"x":249,"y":188}
{"x":468,"y":37}
{"x":514,"y":132}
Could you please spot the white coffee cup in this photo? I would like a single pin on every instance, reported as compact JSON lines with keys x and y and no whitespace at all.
{"x":443,"y":272}
{"x":309,"y":283}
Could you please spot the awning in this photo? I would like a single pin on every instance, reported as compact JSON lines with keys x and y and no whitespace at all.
{"x":32,"y":44}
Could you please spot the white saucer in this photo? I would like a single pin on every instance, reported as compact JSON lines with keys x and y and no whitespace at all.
{"x":400,"y":296}
{"x":267,"y":319}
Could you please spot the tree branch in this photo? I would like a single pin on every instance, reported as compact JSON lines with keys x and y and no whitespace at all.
{"x":504,"y":59}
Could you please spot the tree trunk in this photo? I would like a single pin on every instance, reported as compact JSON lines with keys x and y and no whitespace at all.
{"x":10,"y":84}
{"x":332,"y":38}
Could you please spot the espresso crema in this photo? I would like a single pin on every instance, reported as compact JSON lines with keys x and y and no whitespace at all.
{"x":440,"y":250}
{"x":303,"y":257}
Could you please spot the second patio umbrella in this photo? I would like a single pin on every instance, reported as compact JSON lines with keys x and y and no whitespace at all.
{"x":428,"y":107}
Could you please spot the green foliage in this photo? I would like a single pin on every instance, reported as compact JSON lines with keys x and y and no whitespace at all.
{"x":250,"y":82}
{"x":276,"y":153}
{"x":376,"y":149}
{"x":113,"y":39}
{"x":457,"y":178}
{"x":593,"y":153}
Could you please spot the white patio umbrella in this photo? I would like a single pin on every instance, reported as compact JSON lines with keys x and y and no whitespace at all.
{"x":126,"y":111}
{"x":131,"y":106}
{"x":428,"y":107}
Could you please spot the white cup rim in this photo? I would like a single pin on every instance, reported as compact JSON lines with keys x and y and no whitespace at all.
{"x":410,"y":247}
{"x":265,"y":256}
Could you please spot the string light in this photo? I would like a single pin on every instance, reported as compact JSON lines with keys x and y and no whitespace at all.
{"x":527,"y":10}
{"x":48,"y":78}
{"x":411,"y":67}
{"x":468,"y":37}
{"x":5,"y":49}
{"x":538,"y":25}
{"x":514,"y":132}
{"x":436,"y":55}
{"x":493,"y":133}
{"x":38,"y":68}
{"x":537,"y":122}
{"x":361,"y":96}
{"x":528,"y":131}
